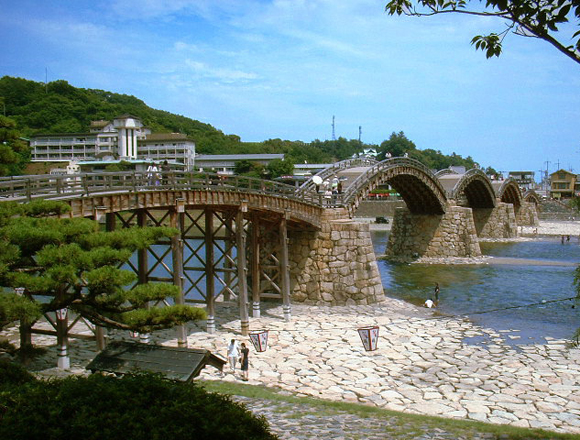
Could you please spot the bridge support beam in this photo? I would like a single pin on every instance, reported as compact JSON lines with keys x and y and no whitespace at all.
{"x":527,"y":215}
{"x":336,"y":265}
{"x":255,"y":264}
{"x":242,"y":272}
{"x":451,"y":234}
{"x":209,"y":271}
{"x":498,"y":222}
{"x":176,"y":221}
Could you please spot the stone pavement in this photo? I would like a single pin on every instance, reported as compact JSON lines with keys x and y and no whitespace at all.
{"x":302,"y":422}
{"x":423,"y":364}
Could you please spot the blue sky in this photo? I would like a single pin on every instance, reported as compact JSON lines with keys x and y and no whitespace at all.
{"x":266,"y":69}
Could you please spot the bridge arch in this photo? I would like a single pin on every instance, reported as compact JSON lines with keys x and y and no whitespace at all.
{"x":474,"y":190}
{"x":509,"y":192}
{"x":416,"y":184}
{"x":532,"y":197}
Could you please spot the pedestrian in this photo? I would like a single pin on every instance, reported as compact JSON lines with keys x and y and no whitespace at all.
{"x":165,"y":170}
{"x":245,"y":362}
{"x":233,"y":354}
{"x":153,"y":174}
{"x":436,"y":294}
{"x":429,"y":303}
{"x":328,"y":197}
{"x":562,"y":240}
{"x":334,"y":185}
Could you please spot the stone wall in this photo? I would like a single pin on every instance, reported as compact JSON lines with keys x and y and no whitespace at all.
{"x":335,"y":265}
{"x":498,"y":222}
{"x":433,"y":236}
{"x":527,"y":215}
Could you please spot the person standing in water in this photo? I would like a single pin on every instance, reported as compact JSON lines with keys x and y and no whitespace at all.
{"x":436,"y":294}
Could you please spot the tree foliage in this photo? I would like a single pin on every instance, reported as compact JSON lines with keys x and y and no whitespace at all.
{"x":58,"y":107}
{"x":14,"y":151}
{"x":72,"y":263}
{"x":528,"y":18}
{"x":133,"y":407}
{"x":278,"y":167}
{"x":398,"y":145}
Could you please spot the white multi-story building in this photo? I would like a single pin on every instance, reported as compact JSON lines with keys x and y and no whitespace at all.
{"x":123,"y":138}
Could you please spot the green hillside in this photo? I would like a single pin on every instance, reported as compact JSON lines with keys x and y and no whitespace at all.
{"x":58,"y":107}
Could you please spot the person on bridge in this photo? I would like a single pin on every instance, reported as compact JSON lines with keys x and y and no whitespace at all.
{"x":165,"y":171}
{"x":335,"y":184}
{"x":153,"y":174}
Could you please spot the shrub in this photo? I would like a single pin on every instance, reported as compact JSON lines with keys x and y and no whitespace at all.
{"x":141,"y":406}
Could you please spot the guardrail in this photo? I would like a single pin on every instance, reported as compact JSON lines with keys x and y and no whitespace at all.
{"x":27,"y":188}
{"x":324,"y":174}
{"x":362,"y":181}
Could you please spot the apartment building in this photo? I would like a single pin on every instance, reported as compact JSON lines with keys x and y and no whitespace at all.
{"x":123,"y":138}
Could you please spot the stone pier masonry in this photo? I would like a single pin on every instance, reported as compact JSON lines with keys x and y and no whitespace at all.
{"x":498,"y":222}
{"x":451,"y":234}
{"x":335,"y":265}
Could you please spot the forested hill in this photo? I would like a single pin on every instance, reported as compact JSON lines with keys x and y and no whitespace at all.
{"x":58,"y":107}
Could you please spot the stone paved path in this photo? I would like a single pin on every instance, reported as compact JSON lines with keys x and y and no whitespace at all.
{"x":422,"y":365}
{"x":299,"y":422}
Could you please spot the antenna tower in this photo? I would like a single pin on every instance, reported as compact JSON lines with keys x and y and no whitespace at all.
{"x":359,"y":134}
{"x":333,"y":135}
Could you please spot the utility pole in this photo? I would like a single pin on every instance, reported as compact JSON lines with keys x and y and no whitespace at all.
{"x":547,"y":176}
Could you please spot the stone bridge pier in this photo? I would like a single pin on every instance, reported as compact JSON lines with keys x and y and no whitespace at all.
{"x":527,"y":214}
{"x":498,"y":222}
{"x":452,"y":234}
{"x":335,"y":265}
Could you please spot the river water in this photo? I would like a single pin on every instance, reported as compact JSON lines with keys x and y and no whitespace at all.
{"x":517,"y":292}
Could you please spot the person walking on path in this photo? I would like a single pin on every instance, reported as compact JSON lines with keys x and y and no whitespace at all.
{"x":233,"y":354}
{"x":245,"y":362}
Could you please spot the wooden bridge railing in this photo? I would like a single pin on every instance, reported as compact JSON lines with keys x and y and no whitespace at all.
{"x":327,"y":173}
{"x":27,"y":188}
{"x":363,"y":180}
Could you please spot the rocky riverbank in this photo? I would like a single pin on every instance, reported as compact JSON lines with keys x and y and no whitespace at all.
{"x":423,"y":363}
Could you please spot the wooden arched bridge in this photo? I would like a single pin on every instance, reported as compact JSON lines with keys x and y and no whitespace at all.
{"x":251,"y":240}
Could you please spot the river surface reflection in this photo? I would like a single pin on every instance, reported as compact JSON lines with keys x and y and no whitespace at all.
{"x":505,"y":292}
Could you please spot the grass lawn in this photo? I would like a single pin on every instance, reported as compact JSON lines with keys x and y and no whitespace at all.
{"x":398,"y":421}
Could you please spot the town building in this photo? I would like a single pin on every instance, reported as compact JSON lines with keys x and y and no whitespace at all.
{"x":526,"y":179}
{"x":226,"y":163}
{"x":125,"y":138}
{"x":563,"y":184}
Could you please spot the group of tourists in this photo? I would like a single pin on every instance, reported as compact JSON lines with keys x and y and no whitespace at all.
{"x":155,"y":174}
{"x":235,"y":355}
